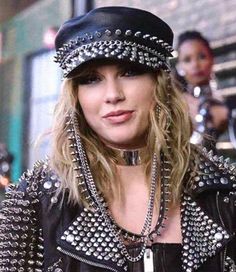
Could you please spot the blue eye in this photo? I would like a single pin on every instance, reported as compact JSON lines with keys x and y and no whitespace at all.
{"x":130,"y":73}
{"x":133,"y":71}
{"x":87,"y":80}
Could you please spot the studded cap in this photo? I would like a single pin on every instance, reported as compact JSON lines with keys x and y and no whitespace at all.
{"x":119,"y":33}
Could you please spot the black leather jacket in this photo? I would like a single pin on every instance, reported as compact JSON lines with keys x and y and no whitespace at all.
{"x":41,"y":231}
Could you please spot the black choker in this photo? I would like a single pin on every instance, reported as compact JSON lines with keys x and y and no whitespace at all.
{"x":129,"y":157}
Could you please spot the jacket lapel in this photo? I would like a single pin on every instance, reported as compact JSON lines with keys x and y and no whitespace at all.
{"x":202,"y":236}
{"x":88,"y":239}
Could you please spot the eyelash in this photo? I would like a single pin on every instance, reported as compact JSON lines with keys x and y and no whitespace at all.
{"x":86,"y":80}
{"x":200,"y":56}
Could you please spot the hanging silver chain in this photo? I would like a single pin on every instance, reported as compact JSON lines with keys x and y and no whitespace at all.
{"x":146,"y":229}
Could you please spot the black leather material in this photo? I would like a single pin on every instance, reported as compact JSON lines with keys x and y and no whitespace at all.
{"x":118,"y":33}
{"x":214,"y":203}
{"x":112,"y":18}
{"x":166,"y":258}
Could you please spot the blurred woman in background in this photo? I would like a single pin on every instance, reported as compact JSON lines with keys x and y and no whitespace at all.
{"x":195,"y":63}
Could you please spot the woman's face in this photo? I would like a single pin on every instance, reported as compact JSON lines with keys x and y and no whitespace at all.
{"x":116,"y":100}
{"x":195,"y":60}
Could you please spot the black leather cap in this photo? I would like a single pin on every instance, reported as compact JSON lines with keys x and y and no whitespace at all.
{"x":120,"y":33}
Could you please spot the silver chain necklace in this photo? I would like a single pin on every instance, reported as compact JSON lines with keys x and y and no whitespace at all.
{"x":100,"y":204}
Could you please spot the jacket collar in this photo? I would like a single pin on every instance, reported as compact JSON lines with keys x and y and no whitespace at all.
{"x":211,"y":173}
{"x":202,"y":236}
{"x":88,"y":239}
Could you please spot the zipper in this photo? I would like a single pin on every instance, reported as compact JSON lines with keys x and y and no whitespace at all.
{"x":84,"y":260}
{"x":222,"y":222}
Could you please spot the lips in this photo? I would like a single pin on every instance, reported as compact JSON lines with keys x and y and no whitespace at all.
{"x":117,"y":113}
{"x":198,"y":74}
{"x":117,"y":117}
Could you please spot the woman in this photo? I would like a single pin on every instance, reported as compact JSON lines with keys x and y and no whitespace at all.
{"x":123,"y":190}
{"x":195,"y":63}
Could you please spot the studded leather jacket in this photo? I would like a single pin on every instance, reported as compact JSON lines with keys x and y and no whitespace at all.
{"x":40,"y":231}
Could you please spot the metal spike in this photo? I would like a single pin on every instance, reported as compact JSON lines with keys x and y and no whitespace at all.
{"x":215,"y":158}
{"x":227,"y":160}
{"x":210,"y":153}
{"x":137,"y":34}
{"x":72,"y":145}
{"x":75,"y":160}
{"x":221,"y":159}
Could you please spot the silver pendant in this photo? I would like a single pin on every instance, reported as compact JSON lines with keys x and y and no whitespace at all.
{"x":148,"y":260}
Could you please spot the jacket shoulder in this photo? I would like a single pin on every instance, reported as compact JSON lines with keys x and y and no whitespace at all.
{"x":38,"y":181}
{"x":21,"y":241}
{"x":212,"y":172}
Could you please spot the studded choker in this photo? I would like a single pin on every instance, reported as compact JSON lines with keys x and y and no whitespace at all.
{"x":128,"y":157}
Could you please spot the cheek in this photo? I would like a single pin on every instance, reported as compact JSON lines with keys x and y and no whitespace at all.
{"x":186,"y":67}
{"x":88,"y":106}
{"x":208,"y":67}
{"x":147,"y":103}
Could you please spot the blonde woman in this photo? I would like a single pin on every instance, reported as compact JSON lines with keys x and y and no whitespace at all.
{"x":123,"y":190}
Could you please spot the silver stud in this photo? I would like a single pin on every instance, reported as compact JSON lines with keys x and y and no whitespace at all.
{"x":146,"y":36}
{"x":201,"y":184}
{"x":108,"y":32}
{"x":218,"y":236}
{"x":224,"y":180}
{"x":57,"y":184}
{"x":128,"y":32}
{"x":54,"y":199}
{"x":47,"y":185}
{"x":153,"y":38}
{"x":70,"y":238}
{"x":137,"y":34}
{"x":118,"y":32}
{"x":226,"y":199}
{"x":98,"y":34}
{"x":58,"y":270}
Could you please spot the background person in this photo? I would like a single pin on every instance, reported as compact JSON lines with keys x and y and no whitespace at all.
{"x":195,"y":62}
{"x":124,"y":190}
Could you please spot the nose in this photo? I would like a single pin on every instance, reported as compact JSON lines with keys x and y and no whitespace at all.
{"x":114,"y":92}
{"x":195,"y":63}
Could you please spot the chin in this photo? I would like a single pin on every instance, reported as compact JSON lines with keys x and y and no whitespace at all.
{"x":125,"y":142}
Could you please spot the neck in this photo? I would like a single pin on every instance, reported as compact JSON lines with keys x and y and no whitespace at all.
{"x":196,"y":91}
{"x":128,"y":157}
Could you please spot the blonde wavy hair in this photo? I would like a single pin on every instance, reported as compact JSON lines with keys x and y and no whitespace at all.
{"x":170,"y":132}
